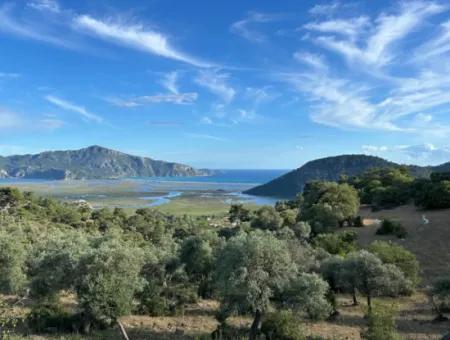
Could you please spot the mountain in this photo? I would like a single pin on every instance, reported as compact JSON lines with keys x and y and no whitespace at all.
{"x":94,"y":162}
{"x":330,"y":169}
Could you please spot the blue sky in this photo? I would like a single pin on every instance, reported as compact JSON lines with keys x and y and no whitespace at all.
{"x":236,"y":84}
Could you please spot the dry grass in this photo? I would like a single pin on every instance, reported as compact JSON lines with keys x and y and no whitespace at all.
{"x":430,"y":243}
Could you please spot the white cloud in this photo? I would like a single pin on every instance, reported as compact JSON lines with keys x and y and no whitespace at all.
{"x":216,"y":82}
{"x":327,"y":9}
{"x":425,"y":154}
{"x":44,"y":5}
{"x":437,"y":46}
{"x":242,"y":27}
{"x":349,"y":27}
{"x":169,"y":81}
{"x":373,"y":149}
{"x":174,"y":98}
{"x":68,"y":106}
{"x":134,"y":36}
{"x":244,"y":116}
{"x":385,"y":31}
{"x":314,"y":60}
{"x":204,"y":136}
{"x":10,"y":24}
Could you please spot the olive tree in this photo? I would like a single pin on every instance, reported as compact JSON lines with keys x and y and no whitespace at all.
{"x":267,"y":218}
{"x":108,"y":281}
{"x":54,"y":263}
{"x":308,"y":293}
{"x":198,"y":258}
{"x":327,"y":205}
{"x":12,"y":263}
{"x":367,"y":273}
{"x":250,"y":270}
{"x":397,"y":255}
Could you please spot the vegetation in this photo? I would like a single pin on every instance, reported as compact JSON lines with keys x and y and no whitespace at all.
{"x":332,"y":169}
{"x":328,"y":205}
{"x":440,"y":296}
{"x":381,"y":323}
{"x":279,"y":265}
{"x":389,"y":227}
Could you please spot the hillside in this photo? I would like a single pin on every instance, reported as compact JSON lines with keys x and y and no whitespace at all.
{"x":330,"y":169}
{"x":94,"y":162}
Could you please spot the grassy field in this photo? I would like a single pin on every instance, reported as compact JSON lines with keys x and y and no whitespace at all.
{"x":129,"y":194}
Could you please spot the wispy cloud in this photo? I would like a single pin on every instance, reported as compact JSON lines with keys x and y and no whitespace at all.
{"x":326,"y":9}
{"x":134,"y":36}
{"x":244,"y":27}
{"x":68,"y":106}
{"x":13,"y":24}
{"x":383,"y":33}
{"x":217,"y":83}
{"x":437,"y":46}
{"x":314,"y":60}
{"x":169,"y":81}
{"x":173,"y":98}
{"x":348,"y":27}
{"x":204,"y":136}
{"x":426,"y":153}
{"x":44,"y":5}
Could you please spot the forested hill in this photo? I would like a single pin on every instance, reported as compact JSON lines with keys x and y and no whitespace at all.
{"x":330,"y":169}
{"x":94,"y":162}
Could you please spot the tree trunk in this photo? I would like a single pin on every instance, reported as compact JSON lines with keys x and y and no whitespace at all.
{"x":355,"y":300}
{"x":369,"y":302}
{"x":255,"y":326}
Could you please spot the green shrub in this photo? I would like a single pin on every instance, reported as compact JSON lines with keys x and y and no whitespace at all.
{"x":397,"y":255}
{"x":12,"y":263}
{"x":389,"y":227}
{"x":381,"y":323}
{"x":337,"y":243}
{"x":282,"y":325}
{"x":49,"y":317}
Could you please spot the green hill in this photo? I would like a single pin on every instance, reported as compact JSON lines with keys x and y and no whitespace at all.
{"x":330,"y":169}
{"x":94,"y":162}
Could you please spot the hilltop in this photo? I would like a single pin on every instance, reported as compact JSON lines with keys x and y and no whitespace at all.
{"x":94,"y":162}
{"x":330,"y":169}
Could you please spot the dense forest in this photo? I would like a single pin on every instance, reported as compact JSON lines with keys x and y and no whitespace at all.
{"x":279,"y":265}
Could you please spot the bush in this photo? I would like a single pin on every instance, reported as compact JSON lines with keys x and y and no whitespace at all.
{"x":389,"y":227}
{"x":267,"y":218}
{"x":108,"y":281}
{"x":381,"y":323}
{"x":12,"y":263}
{"x":282,"y":325}
{"x":49,"y":317}
{"x":337,"y":243}
{"x":397,"y":255}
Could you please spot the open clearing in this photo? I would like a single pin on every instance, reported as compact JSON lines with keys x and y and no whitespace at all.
{"x":430,"y":243}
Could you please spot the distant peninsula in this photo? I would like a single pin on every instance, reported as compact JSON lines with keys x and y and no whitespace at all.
{"x":94,"y":162}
